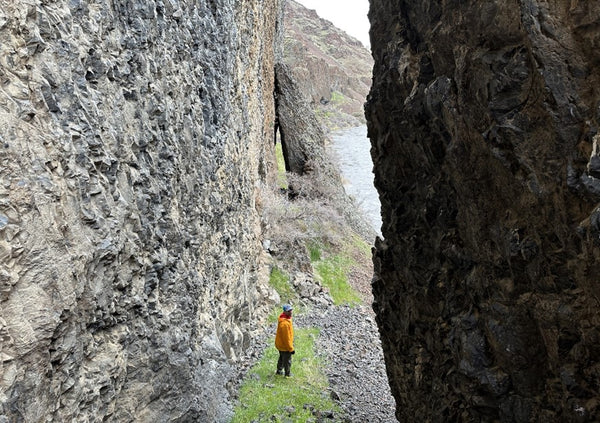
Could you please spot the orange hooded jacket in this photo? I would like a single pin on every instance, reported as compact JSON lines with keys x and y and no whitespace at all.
{"x":284,"y":338}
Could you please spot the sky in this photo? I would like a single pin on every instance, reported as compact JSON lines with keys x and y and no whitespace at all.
{"x":348,"y":15}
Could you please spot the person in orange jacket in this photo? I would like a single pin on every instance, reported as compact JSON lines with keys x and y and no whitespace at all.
{"x":284,"y":341}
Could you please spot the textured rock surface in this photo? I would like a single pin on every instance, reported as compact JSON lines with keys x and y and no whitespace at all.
{"x":302,"y":139}
{"x":312,"y":172}
{"x":483,"y":118}
{"x":133,"y":134}
{"x":333,"y":70}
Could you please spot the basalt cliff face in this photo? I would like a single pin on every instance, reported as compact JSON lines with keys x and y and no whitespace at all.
{"x":484,"y":120}
{"x":133,"y":135}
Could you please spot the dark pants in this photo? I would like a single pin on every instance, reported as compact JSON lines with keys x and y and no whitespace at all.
{"x":284,"y":362}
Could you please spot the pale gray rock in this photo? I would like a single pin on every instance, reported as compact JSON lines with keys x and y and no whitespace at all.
{"x":133,"y":136}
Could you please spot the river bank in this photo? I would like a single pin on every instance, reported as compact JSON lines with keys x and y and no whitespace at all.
{"x":351,"y":150}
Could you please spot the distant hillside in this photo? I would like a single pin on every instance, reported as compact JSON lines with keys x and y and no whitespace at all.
{"x":332,"y":68}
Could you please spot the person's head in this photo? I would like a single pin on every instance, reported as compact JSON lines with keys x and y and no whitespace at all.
{"x":287,"y":309}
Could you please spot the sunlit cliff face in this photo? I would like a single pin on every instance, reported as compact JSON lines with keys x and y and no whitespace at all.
{"x":483,"y":120}
{"x":133,"y":137}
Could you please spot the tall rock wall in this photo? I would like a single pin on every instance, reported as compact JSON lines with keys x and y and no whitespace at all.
{"x":132,"y":137}
{"x":484,"y":120}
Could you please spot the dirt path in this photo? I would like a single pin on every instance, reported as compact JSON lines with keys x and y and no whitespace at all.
{"x":349,"y":343}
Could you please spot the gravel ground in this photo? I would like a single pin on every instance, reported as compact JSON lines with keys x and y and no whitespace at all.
{"x":349,"y":341}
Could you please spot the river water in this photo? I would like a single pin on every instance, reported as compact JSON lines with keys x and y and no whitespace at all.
{"x":351,"y":148}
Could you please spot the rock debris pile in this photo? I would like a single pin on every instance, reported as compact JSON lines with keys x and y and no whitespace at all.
{"x":350,"y":344}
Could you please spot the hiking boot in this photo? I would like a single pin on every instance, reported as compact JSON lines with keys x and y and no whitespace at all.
{"x":279,"y":373}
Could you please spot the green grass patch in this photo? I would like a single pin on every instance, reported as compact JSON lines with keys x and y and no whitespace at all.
{"x":314,"y":250}
{"x":332,"y":270}
{"x":280,"y":281}
{"x":337,"y":98}
{"x":282,"y":181}
{"x":361,"y":245}
{"x":323,"y":113}
{"x":333,"y":273}
{"x":265,"y":397}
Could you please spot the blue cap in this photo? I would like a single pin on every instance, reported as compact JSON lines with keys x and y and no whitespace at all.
{"x":287,"y":307}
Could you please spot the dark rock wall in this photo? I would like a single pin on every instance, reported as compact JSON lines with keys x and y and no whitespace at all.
{"x":133,"y":135}
{"x":302,"y":138}
{"x":483,"y":119}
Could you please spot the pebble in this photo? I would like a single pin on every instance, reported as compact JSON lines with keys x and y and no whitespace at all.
{"x":349,"y":342}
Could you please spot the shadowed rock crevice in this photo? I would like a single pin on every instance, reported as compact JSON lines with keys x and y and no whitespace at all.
{"x":483,"y":120}
{"x":294,"y":162}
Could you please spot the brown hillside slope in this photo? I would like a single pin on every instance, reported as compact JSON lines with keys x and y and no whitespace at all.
{"x":331,"y":68}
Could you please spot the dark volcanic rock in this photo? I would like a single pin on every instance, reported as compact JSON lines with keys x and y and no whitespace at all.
{"x":483,"y":118}
{"x":302,"y":139}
